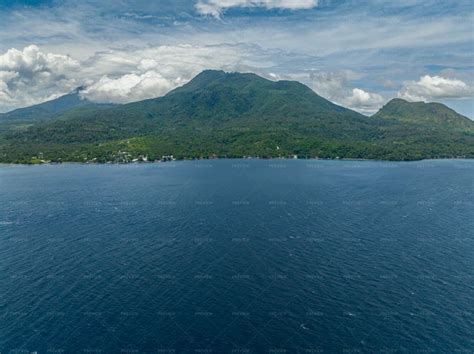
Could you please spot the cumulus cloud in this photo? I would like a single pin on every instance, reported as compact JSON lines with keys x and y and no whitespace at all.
{"x":130,"y":87}
{"x":364,"y":101}
{"x":217,"y":7}
{"x":30,"y":76}
{"x":429,"y":88}
{"x":336,"y":87}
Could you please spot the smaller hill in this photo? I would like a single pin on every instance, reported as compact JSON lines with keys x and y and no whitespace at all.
{"x":47,"y":110}
{"x":428,"y":114}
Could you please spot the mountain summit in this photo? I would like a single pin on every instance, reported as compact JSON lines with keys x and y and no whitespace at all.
{"x":250,"y":92}
{"x":236,"y":115}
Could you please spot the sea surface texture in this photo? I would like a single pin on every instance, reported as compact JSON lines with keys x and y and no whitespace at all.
{"x":239,"y":256}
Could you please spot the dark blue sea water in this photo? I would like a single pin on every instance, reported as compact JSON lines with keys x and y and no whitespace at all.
{"x":237,"y":256}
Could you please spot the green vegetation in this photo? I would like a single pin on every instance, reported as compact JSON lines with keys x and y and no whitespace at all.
{"x":237,"y":115}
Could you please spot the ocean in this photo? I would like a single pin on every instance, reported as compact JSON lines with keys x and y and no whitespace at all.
{"x":238,"y":256}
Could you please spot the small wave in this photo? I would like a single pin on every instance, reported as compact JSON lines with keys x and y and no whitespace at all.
{"x":350,"y":314}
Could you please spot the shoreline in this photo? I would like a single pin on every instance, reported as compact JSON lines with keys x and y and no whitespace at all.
{"x":230,"y":159}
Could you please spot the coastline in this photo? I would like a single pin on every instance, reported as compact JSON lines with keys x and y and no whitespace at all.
{"x":3,"y":164}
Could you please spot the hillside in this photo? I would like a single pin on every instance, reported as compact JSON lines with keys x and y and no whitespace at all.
{"x":46,"y":111}
{"x":427,"y":114}
{"x":235,"y":115}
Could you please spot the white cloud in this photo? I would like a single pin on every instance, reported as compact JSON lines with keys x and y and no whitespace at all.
{"x":335,"y":86}
{"x":429,"y":88}
{"x":217,"y":7}
{"x":363,"y":101}
{"x":31,"y":76}
{"x":130,"y":87}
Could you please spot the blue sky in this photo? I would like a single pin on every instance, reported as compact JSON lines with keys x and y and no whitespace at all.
{"x":359,"y":54}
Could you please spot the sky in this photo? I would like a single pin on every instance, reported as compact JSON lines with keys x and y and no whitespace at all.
{"x":356,"y":53}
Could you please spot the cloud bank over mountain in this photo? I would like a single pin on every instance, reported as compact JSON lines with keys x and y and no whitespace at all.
{"x":356,"y":53}
{"x":31,"y":76}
